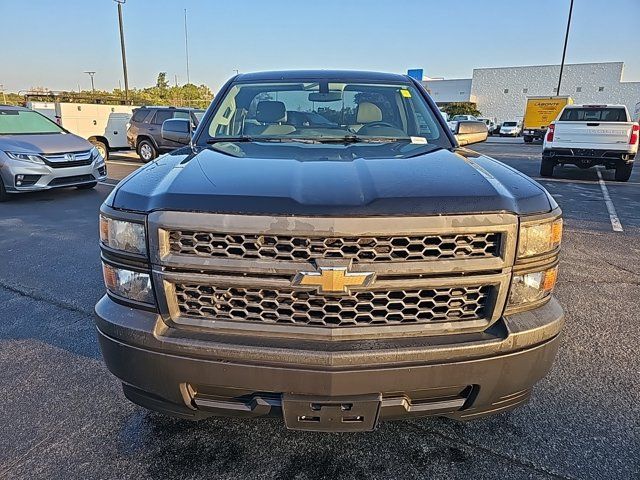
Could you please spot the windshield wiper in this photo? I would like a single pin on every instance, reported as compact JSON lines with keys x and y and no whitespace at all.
{"x":241,"y":138}
{"x":359,"y":139}
{"x":247,"y":138}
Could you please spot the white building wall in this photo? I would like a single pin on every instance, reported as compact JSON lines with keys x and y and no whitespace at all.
{"x":502,"y":92}
{"x":445,"y":91}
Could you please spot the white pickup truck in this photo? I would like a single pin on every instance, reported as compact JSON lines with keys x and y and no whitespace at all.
{"x":589,"y":135}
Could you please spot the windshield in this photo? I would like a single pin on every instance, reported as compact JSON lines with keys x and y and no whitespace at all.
{"x":591,"y":114}
{"x":25,"y":122}
{"x":509,"y":124}
{"x":324,"y":112}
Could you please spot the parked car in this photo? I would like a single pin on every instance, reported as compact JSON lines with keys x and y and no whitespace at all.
{"x":333,"y":277}
{"x":589,"y":135}
{"x":510,"y":129}
{"x":453,"y":122}
{"x":144,"y":131}
{"x":490,"y":123}
{"x":105,"y":126}
{"x":38,"y":154}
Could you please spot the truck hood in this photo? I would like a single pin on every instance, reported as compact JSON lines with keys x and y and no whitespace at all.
{"x":439,"y":182}
{"x":44,"y":143}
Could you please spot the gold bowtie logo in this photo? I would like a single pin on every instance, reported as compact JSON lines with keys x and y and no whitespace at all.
{"x":333,"y":279}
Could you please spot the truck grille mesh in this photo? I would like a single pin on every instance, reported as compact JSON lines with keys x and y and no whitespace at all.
{"x":363,"y":249}
{"x":364,"y":308}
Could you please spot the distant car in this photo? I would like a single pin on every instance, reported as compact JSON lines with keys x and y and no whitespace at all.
{"x":38,"y":154}
{"x":490,"y":123}
{"x":453,"y":123}
{"x":510,"y":129}
{"x":144,"y":133}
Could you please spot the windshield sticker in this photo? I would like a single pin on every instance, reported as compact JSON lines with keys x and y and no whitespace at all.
{"x":405,"y":93}
{"x":419,"y":140}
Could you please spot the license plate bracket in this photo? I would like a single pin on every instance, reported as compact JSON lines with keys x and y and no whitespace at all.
{"x":355,"y":413}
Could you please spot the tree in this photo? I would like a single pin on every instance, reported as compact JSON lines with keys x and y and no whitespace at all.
{"x":162,"y":82}
{"x":461,"y":108}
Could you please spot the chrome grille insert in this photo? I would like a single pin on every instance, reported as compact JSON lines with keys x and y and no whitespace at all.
{"x":358,"y":249}
{"x":363,"y":308}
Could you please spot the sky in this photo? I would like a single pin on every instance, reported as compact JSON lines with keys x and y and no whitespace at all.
{"x":50,"y":43}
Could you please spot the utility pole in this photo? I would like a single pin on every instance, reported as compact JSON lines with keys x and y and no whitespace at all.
{"x":564,"y":50}
{"x":186,"y":44}
{"x":124,"y":54}
{"x":4,"y":97}
{"x":93,"y":88}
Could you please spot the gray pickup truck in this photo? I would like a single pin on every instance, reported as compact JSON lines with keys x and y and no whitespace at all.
{"x":351,"y":266}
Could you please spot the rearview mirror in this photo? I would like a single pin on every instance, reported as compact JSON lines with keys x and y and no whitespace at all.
{"x":177,"y":130}
{"x":468,"y":132}
{"x":325,"y":97}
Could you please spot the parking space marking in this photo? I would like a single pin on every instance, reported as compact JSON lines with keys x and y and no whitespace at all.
{"x":125,"y":163}
{"x":613,"y":216}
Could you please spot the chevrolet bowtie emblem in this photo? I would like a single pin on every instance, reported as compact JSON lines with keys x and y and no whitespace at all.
{"x":333,"y":279}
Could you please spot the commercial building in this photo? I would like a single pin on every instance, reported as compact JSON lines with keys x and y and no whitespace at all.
{"x":502,"y":92}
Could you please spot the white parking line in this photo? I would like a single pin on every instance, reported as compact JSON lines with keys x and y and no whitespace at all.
{"x":132,"y":163}
{"x":613,"y":216}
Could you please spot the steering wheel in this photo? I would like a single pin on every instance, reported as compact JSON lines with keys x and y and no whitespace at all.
{"x":385,"y":128}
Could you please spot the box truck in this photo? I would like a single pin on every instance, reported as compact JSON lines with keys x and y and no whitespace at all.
{"x":539,"y":113}
{"x":103,"y":125}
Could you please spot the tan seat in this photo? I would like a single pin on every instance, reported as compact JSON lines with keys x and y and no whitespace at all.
{"x":367,"y":113}
{"x":271,"y":117}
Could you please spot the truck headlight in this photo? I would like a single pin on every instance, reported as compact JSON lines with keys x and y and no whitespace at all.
{"x":538,"y":238}
{"x":123,"y":235}
{"x":532,"y":287}
{"x":25,"y":157}
{"x":128,"y":284}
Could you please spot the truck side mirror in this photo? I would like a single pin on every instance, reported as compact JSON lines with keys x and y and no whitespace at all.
{"x":177,"y":130}
{"x":468,"y":132}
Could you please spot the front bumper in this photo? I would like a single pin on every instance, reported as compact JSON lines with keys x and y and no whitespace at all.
{"x":48,"y":177}
{"x":193,"y":374}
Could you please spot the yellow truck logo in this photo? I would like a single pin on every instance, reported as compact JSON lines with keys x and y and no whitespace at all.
{"x":541,"y":111}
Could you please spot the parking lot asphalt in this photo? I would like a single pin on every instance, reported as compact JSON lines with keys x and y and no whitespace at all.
{"x":64,"y":416}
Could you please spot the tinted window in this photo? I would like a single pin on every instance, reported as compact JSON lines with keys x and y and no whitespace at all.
{"x":594,"y":115}
{"x":139,"y":115}
{"x":509,"y":124}
{"x":181,"y":114}
{"x":161,"y":116}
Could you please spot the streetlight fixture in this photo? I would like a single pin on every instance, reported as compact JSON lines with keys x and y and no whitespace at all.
{"x":93,"y":88}
{"x":564,"y":50}
{"x":124,"y":54}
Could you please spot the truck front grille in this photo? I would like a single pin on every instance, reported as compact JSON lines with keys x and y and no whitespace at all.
{"x":363,"y":308}
{"x":357,"y":249}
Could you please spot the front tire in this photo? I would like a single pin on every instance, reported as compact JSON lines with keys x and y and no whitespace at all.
{"x":546,"y":167}
{"x":147,"y":151}
{"x":102,"y":148}
{"x":623,"y":172}
{"x":87,"y":186}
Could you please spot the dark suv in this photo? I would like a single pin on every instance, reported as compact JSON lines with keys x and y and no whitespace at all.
{"x":144,"y":132}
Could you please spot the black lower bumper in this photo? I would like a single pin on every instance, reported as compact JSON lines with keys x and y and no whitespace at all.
{"x":585,"y":157}
{"x":336,"y":389}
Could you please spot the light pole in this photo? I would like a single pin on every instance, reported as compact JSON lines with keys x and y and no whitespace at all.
{"x":4,"y":97}
{"x":93,"y":88}
{"x":124,"y":54}
{"x":564,"y":50}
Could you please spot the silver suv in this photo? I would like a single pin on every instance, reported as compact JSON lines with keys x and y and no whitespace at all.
{"x":38,"y":154}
